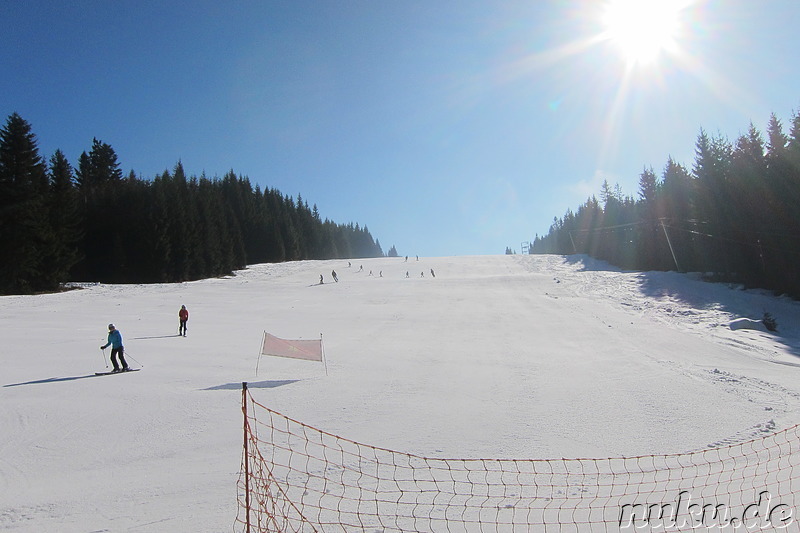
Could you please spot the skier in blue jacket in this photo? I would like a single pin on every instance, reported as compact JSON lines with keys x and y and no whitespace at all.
{"x":117,"y":349}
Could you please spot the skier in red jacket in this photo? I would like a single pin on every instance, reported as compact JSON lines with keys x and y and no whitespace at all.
{"x":183,"y":316}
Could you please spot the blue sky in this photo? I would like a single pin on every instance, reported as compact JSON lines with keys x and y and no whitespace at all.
{"x":446,"y":127}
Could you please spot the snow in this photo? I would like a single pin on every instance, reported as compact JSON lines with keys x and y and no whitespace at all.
{"x":496,"y":357}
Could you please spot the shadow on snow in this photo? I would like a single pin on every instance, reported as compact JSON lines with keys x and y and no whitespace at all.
{"x":255,"y":385}
{"x":50,"y":380}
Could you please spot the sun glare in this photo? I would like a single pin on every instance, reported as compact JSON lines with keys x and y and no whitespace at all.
{"x":642,"y":29}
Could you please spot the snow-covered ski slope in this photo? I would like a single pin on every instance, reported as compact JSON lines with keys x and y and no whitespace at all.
{"x":495,"y":357}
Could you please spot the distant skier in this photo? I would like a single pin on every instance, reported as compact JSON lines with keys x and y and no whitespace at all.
{"x":320,"y":279}
{"x":183,"y":318}
{"x":117,"y":349}
{"x":432,"y":274}
{"x":334,"y":276}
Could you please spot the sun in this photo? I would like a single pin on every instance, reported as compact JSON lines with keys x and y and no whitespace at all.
{"x":642,"y":29}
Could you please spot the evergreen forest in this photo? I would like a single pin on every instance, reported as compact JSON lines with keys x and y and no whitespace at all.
{"x":735,"y":216}
{"x":60,"y":223}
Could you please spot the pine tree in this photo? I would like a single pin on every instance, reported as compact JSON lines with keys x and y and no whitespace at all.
{"x":179,"y":219}
{"x":648,"y":187}
{"x":792,"y":177}
{"x":676,"y":206}
{"x":23,"y":217}
{"x":64,"y":220}
{"x":747,"y":177}
{"x":750,"y":207}
{"x":98,"y":167}
{"x":713,"y":199}
{"x":99,"y":180}
{"x":781,"y":188}
{"x":676,"y":193}
{"x":606,"y":193}
{"x":649,"y":238}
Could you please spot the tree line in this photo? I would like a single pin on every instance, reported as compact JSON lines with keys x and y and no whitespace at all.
{"x":61,"y":223}
{"x":735,"y":215}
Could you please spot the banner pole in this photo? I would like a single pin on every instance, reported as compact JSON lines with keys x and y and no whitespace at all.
{"x":260,"y":351}
{"x":322,"y":349}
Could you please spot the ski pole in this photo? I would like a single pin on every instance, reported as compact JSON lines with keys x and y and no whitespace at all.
{"x":105,"y":362}
{"x":128,"y":355}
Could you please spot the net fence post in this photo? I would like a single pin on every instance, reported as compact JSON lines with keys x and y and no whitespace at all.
{"x":246,"y":461}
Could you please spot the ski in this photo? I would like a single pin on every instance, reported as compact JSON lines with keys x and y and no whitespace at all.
{"x":120,"y":372}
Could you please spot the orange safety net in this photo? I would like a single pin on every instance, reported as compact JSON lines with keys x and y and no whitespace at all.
{"x":296,"y":478}
{"x":310,"y":350}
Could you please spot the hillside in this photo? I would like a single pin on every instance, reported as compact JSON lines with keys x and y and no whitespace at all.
{"x":495,"y":356}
